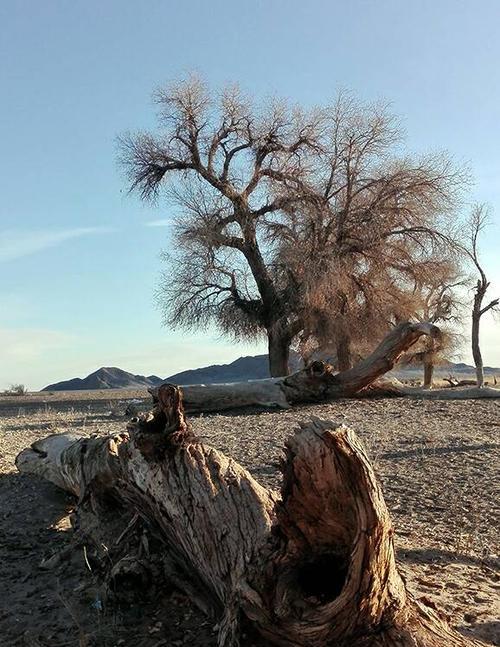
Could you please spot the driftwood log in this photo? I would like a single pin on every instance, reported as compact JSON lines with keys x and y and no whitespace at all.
{"x":313,"y":567}
{"x":319,"y":382}
{"x":452,"y":393}
{"x":316,"y":383}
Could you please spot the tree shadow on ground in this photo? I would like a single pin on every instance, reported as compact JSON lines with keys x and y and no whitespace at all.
{"x":439,"y":556}
{"x":63,"y":606}
{"x":487,"y":631}
{"x":440,"y":451}
{"x":34,"y":525}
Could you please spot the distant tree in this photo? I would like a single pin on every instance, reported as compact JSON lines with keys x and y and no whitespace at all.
{"x":291,"y":221}
{"x":478,"y":221}
{"x":436,"y":300}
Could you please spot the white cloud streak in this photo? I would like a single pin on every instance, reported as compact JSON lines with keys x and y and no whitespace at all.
{"x":15,"y":244}
{"x":26,"y":354}
{"x":157,"y":223}
{"x":30,"y":343}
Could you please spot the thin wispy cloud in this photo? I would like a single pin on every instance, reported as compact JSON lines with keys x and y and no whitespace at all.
{"x":157,"y":223}
{"x":26,"y":352}
{"x":29,"y":343}
{"x":16,"y":243}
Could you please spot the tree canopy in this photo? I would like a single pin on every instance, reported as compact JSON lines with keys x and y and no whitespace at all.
{"x":294,"y":223}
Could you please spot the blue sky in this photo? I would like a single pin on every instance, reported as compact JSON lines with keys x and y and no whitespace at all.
{"x":79,"y":260}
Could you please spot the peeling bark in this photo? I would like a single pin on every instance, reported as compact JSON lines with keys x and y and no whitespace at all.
{"x":313,"y":568}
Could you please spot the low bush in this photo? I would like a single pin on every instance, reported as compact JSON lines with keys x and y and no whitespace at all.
{"x":16,"y":389}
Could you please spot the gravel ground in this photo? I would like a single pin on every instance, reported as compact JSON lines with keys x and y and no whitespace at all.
{"x":438,"y":463}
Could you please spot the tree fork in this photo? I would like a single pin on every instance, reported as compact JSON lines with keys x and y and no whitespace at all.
{"x":313,"y":568}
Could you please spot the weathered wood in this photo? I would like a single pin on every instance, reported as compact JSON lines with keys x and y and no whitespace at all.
{"x":318,"y":382}
{"x":313,"y":568}
{"x":452,"y":393}
{"x":218,"y":397}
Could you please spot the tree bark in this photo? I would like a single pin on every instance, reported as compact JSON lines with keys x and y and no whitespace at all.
{"x":428,"y":373}
{"x":476,"y":351}
{"x":344,"y":356}
{"x":382,"y":360}
{"x":273,"y":307}
{"x":312,"y":569}
{"x":279,"y":352}
{"x":316,"y":383}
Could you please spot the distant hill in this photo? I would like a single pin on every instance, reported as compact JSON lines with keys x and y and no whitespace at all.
{"x":446,"y":368}
{"x":106,"y":378}
{"x":244,"y":368}
{"x":465,"y":368}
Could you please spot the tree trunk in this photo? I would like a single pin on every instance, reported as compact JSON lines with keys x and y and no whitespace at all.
{"x":316,"y":383}
{"x":313,"y":569}
{"x":428,"y":373}
{"x":273,"y":307}
{"x":344,"y":357}
{"x":279,"y":352}
{"x":476,"y":352}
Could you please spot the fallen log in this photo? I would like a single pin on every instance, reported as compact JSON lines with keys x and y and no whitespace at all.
{"x":452,"y":393}
{"x":316,"y":383}
{"x":313,"y":568}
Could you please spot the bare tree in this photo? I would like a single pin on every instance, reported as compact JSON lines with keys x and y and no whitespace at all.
{"x":289,"y":220}
{"x":479,"y":220}
{"x":436,"y":300}
{"x":221,"y":157}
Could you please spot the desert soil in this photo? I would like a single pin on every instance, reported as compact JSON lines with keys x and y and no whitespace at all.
{"x":438,"y":463}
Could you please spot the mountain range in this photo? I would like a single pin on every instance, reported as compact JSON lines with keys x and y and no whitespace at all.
{"x":106,"y":378}
{"x":244,"y":368}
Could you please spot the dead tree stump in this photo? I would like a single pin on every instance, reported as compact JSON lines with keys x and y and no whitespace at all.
{"x":312,"y":568}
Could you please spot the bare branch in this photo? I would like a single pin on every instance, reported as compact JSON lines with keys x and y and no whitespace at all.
{"x":295,"y":222}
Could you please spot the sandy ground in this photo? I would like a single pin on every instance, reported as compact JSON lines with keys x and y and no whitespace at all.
{"x":438,"y":462}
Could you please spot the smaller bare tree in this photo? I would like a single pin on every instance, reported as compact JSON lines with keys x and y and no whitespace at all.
{"x":478,"y":221}
{"x":436,"y":301}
